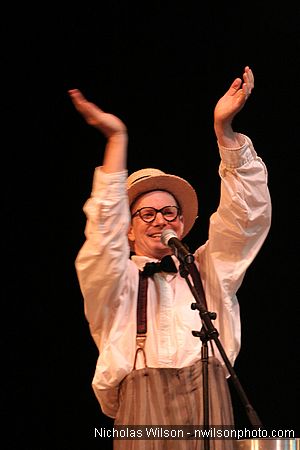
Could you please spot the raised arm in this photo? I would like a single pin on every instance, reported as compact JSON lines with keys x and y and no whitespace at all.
{"x":227,"y":108}
{"x":115,"y":156}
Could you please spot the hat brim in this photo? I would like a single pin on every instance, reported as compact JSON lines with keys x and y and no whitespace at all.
{"x":183,"y":192}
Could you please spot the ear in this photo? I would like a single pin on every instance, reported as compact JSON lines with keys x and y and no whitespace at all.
{"x":130,"y":234}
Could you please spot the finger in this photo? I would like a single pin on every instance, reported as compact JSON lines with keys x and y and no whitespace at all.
{"x":73,"y":91}
{"x":248,"y":77}
{"x":76,"y":95}
{"x":251,"y":77}
{"x":246,"y":89}
{"x":82,"y":104}
{"x":235,"y":86}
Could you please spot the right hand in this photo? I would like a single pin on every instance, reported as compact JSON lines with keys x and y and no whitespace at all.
{"x":108,"y":124}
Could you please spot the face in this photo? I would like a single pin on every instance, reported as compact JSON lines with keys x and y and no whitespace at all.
{"x":146,"y":236}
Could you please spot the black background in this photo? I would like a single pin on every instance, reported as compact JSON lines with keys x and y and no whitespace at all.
{"x":161,"y":67}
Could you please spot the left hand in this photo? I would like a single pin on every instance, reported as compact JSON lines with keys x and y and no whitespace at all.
{"x":234,"y":99}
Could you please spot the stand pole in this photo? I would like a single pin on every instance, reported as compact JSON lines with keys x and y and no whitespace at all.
{"x":205,"y":384}
{"x":212,"y":333}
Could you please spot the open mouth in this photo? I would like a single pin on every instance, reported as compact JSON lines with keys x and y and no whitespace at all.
{"x":156,"y":236}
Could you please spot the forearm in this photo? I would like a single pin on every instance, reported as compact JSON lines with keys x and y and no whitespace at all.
{"x":115,"y":156}
{"x":226,"y":136}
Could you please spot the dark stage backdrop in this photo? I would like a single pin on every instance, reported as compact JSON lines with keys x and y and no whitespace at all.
{"x":161,"y":67}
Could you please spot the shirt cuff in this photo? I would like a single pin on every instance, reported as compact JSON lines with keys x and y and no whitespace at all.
{"x":237,"y":157}
{"x":112,"y":181}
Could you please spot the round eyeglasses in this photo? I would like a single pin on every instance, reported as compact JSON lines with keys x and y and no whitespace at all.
{"x":148,"y":214}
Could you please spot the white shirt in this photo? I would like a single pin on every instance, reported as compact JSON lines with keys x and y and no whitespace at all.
{"x":109,"y":279}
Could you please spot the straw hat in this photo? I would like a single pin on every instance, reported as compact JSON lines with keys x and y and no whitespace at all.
{"x":147,"y":180}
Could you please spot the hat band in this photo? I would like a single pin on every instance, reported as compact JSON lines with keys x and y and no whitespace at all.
{"x":140,"y":178}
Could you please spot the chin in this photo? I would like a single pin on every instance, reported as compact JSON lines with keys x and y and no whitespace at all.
{"x":161,"y":252}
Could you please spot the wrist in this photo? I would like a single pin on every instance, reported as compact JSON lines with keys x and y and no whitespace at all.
{"x":118,"y":137}
{"x":225,"y":135}
{"x":114,"y":134}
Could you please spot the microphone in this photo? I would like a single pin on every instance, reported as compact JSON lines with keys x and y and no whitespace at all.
{"x":169,"y":239}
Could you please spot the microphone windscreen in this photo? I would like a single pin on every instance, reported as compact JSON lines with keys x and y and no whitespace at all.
{"x":166,"y":235}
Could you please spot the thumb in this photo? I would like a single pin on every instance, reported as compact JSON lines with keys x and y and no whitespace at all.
{"x":235,"y":86}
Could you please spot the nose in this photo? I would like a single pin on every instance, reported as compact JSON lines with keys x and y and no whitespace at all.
{"x":159,"y":219}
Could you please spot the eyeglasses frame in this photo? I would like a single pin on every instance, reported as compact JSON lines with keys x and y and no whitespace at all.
{"x":137,"y":213}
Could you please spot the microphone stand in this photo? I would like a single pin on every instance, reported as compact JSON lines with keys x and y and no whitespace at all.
{"x":209,"y":332}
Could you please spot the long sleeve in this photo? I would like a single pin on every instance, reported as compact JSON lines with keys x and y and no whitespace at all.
{"x":101,"y":261}
{"x":242,"y":221}
{"x":237,"y":231}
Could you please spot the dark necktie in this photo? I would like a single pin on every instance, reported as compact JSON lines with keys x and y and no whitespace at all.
{"x":165,"y":265}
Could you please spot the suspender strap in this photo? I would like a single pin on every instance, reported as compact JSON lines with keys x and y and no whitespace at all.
{"x":142,"y":305}
{"x":141,"y":317}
